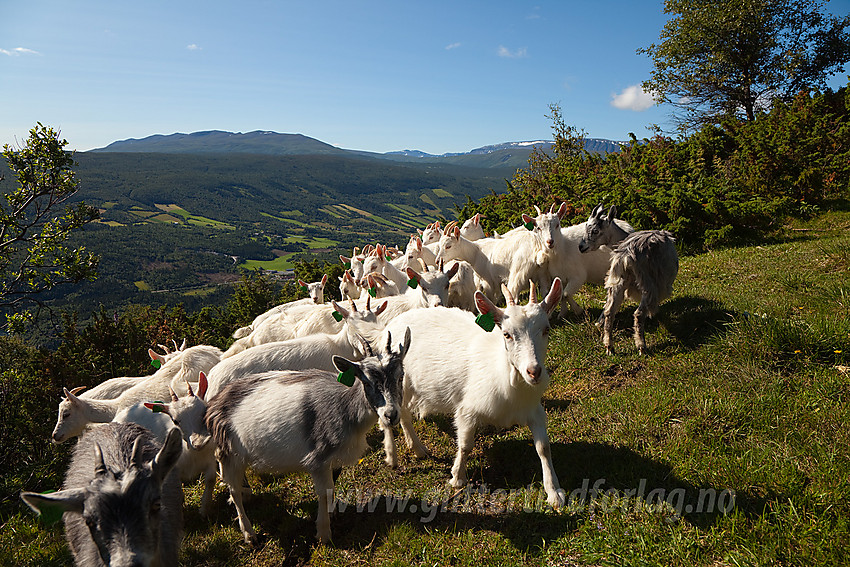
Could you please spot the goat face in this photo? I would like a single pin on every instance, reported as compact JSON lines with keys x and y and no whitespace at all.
{"x":71,"y":420}
{"x":382,"y":379}
{"x":525,"y":330}
{"x":598,"y":229}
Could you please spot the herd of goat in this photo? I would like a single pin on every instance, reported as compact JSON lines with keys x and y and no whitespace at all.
{"x":304,"y":383}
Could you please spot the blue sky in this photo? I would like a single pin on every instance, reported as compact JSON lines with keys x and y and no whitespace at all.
{"x":372,"y":75}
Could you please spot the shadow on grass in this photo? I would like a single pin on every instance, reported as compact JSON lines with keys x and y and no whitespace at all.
{"x":692,"y":321}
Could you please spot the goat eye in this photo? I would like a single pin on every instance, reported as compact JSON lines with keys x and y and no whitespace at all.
{"x":508,"y":336}
{"x":66,"y":414}
{"x":155,"y":506}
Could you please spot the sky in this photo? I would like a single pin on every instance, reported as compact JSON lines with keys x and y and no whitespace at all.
{"x":384,"y":75}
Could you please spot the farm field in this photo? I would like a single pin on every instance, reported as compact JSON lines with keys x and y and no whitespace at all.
{"x":727,"y":445}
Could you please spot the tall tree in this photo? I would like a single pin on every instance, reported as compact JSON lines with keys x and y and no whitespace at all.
{"x":34,"y":227}
{"x":731,"y":57}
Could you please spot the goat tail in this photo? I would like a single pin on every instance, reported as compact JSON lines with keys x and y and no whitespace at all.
{"x":242,"y":332}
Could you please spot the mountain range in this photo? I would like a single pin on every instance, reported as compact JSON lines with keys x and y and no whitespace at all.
{"x":510,"y":155}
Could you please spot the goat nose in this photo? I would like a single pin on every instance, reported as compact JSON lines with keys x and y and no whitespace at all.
{"x":534,"y":371}
{"x":550,"y":243}
{"x":392,"y":416}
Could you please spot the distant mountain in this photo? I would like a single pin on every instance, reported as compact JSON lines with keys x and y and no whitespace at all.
{"x":216,"y":141}
{"x":507,"y":156}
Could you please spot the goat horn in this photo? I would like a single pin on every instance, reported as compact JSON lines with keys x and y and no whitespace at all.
{"x":532,"y":292}
{"x":389,"y":342}
{"x":422,"y":263}
{"x":165,"y":348}
{"x":366,"y":346}
{"x":368,"y":302}
{"x":509,"y":299}
{"x":77,"y":390}
{"x":353,"y":306}
{"x":536,"y":208}
{"x":174,"y":397}
{"x":189,"y":388}
{"x":552,"y":208}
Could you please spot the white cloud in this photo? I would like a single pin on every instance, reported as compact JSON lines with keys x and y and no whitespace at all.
{"x":518,"y":54}
{"x":633,"y":98}
{"x":18,"y":51}
{"x":451,"y":46}
{"x":193,"y":47}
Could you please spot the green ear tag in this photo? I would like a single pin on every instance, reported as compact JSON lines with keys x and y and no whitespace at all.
{"x":50,"y":513}
{"x":529,"y":225}
{"x":373,"y":291}
{"x":346,"y":377}
{"x":412,"y":283}
{"x":158,"y":406}
{"x":486,"y":322}
{"x":389,"y":259}
{"x":348,"y":265}
{"x":304,"y":287}
{"x":156,"y":363}
{"x":337,"y":315}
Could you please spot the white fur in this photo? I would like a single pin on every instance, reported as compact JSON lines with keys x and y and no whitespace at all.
{"x":455,"y":368}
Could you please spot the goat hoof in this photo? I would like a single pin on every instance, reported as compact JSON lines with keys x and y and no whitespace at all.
{"x":391,"y":463}
{"x":557,"y":499}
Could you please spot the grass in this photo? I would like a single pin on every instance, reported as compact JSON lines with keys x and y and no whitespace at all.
{"x":728,"y":445}
{"x":280,"y":264}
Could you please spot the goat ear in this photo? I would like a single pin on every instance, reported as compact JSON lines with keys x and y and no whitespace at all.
{"x":302,"y":283}
{"x":405,"y":345}
{"x":456,"y":232}
{"x":453,"y":270}
{"x":562,"y":210}
{"x":155,"y":355}
{"x":324,"y":279}
{"x":597,"y":210}
{"x":381,"y":308}
{"x":612,"y":213}
{"x":486,"y":306}
{"x":50,"y":505}
{"x":527,"y":219}
{"x":344,"y":365}
{"x":413,"y":274}
{"x":69,"y":395}
{"x":344,"y":259}
{"x":553,"y":297}
{"x":340,"y":309}
{"x":157,"y":407}
{"x":168,"y":455}
{"x":203,"y":384}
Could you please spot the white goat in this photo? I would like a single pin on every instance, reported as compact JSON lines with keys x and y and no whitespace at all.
{"x":121,"y":500}
{"x":562,"y":255}
{"x":643,"y":268}
{"x":198,"y":455}
{"x":76,"y":413}
{"x":510,"y":260}
{"x":311,"y":423}
{"x":347,"y":288}
{"x":431,"y":233}
{"x":354,"y":263}
{"x":301,"y":353}
{"x":315,"y":291}
{"x":472,"y":229}
{"x":455,"y":368}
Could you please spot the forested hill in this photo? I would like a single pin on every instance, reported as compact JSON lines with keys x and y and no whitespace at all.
{"x":175,"y":227}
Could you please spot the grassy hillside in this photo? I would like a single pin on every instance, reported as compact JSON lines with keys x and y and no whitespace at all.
{"x":727,"y":446}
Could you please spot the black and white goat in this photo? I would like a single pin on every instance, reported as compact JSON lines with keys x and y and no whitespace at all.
{"x":309,"y":422}
{"x":121,"y":500}
{"x":643,"y":268}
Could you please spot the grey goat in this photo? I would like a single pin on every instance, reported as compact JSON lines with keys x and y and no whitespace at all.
{"x":290,"y":421}
{"x":122,"y":500}
{"x":643,"y":268}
